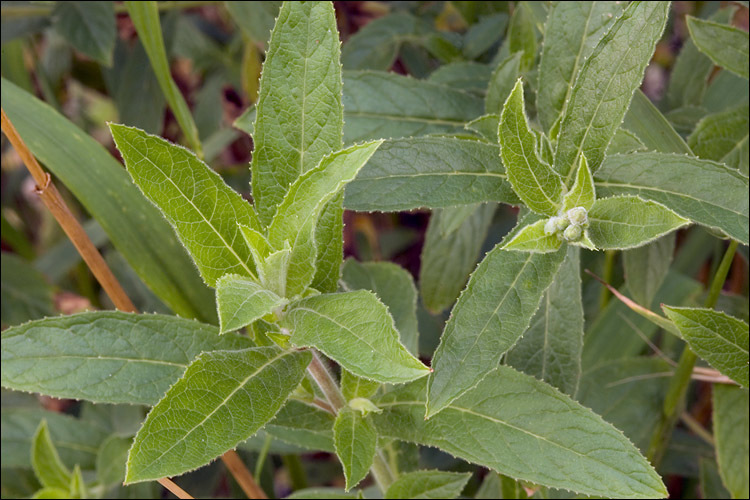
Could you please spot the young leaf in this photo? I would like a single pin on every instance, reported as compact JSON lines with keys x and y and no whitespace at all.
{"x":501,"y":84}
{"x":203,"y":210}
{"x":538,"y":186}
{"x":731,"y":433}
{"x":356,"y":441}
{"x":432,"y":172}
{"x":720,"y":339}
{"x":725,"y":45}
{"x":526,"y":429}
{"x":300,"y":116}
{"x":646,"y":267}
{"x":353,"y":387}
{"x":572,"y":31}
{"x":365,"y":343}
{"x":534,"y":238}
{"x":51,"y":472}
{"x":89,"y":27}
{"x":240,"y":301}
{"x":550,"y":350}
{"x":106,"y":356}
{"x":621,"y":222}
{"x":605,"y":85}
{"x":490,"y":316}
{"x":223,"y":399}
{"x":719,"y":200}
{"x":428,"y":484}
{"x":583,"y":192}
{"x":330,"y":245}
{"x":450,"y":253}
{"x":723,"y":137}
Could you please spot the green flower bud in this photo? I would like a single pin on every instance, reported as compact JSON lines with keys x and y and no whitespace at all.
{"x":573,"y":232}
{"x":578,"y":216}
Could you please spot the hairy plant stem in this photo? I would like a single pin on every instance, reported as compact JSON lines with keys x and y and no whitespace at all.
{"x":674,"y":402}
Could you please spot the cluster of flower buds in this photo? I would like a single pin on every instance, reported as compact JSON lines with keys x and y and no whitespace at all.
{"x":569,"y":226}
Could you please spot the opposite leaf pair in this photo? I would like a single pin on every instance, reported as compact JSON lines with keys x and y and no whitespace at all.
{"x":575,"y":216}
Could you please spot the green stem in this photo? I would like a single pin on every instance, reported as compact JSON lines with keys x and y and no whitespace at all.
{"x":262,"y":456}
{"x":296,"y":472}
{"x":674,"y":402}
{"x":381,"y":471}
{"x":609,"y":265}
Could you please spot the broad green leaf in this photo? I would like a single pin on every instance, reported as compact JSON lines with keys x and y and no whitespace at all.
{"x":646,"y":267}
{"x":76,"y":441}
{"x":300,"y":116}
{"x":651,"y":127}
{"x":501,"y":84}
{"x":725,"y":91}
{"x":47,"y":465}
{"x":725,"y":45}
{"x":223,"y":398}
{"x":723,"y":137}
{"x":428,"y":484}
{"x":572,"y":31}
{"x":583,"y":192}
{"x":534,"y":238}
{"x":255,"y":19}
{"x":720,"y":339}
{"x":380,"y":104}
{"x":395,"y":288}
{"x":324,"y":493}
{"x":330,"y":243}
{"x":297,"y":215}
{"x":731,"y":434}
{"x":25,"y":293}
{"x":118,"y":420}
{"x":605,"y":85}
{"x":490,"y":316}
{"x":486,"y":126}
{"x":450,"y":253}
{"x":111,"y":459}
{"x":521,"y":35}
{"x":89,"y":27}
{"x":719,"y":200}
{"x":303,"y":425}
{"x":99,"y":182}
{"x":356,"y":441}
{"x":240,"y":301}
{"x":689,"y":77}
{"x":711,"y":483}
{"x":625,"y":142}
{"x":365,"y":343}
{"x":538,"y":186}
{"x":550,"y":350}
{"x":622,"y":222}
{"x":526,"y":429}
{"x":496,"y":485}
{"x":376,"y":45}
{"x":106,"y":356}
{"x":52,"y":493}
{"x":433,"y":172}
{"x":203,"y":210}
{"x":353,"y":387}
{"x":482,"y":35}
{"x":145,"y":17}
{"x":468,"y":76}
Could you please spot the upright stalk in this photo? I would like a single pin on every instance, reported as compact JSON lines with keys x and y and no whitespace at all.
{"x":674,"y":402}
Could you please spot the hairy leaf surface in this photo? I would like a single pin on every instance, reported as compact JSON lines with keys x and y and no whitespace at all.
{"x":240,"y":301}
{"x":356,"y":440}
{"x":727,"y":46}
{"x":428,"y":484}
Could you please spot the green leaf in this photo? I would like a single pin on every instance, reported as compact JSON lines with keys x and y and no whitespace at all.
{"x":300,"y":116}
{"x":450,"y":253}
{"x":538,"y":186}
{"x":255,"y":19}
{"x":625,"y":142}
{"x":534,"y":238}
{"x":723,"y":137}
{"x":711,"y":483}
{"x":365,"y":343}
{"x":720,"y":339}
{"x":111,"y":459}
{"x":324,"y":493}
{"x":550,"y":350}
{"x":395,"y":288}
{"x":89,"y":27}
{"x":605,"y":85}
{"x":521,"y":36}
{"x":572,"y":31}
{"x":356,"y":441}
{"x":48,"y":467}
{"x":719,"y":200}
{"x":52,"y":493}
{"x":376,"y":45}
{"x":330,"y":245}
{"x":99,"y":182}
{"x":652,"y":128}
{"x":468,"y":76}
{"x":223,"y":398}
{"x":77,"y":485}
{"x":689,"y":77}
{"x":731,"y":434}
{"x":646,"y":267}
{"x":297,"y":215}
{"x":501,"y":84}
{"x":526,"y":429}
{"x":353,"y":387}
{"x":621,"y":222}
{"x":303,"y":425}
{"x":106,"y":356}
{"x":490,"y":316}
{"x":25,"y":293}
{"x":725,"y":45}
{"x":433,"y":172}
{"x":203,"y":210}
{"x":145,"y":17}
{"x":428,"y":484}
{"x":379,"y":104}
{"x":486,"y":126}
{"x":583,"y":192}
{"x":240,"y":301}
